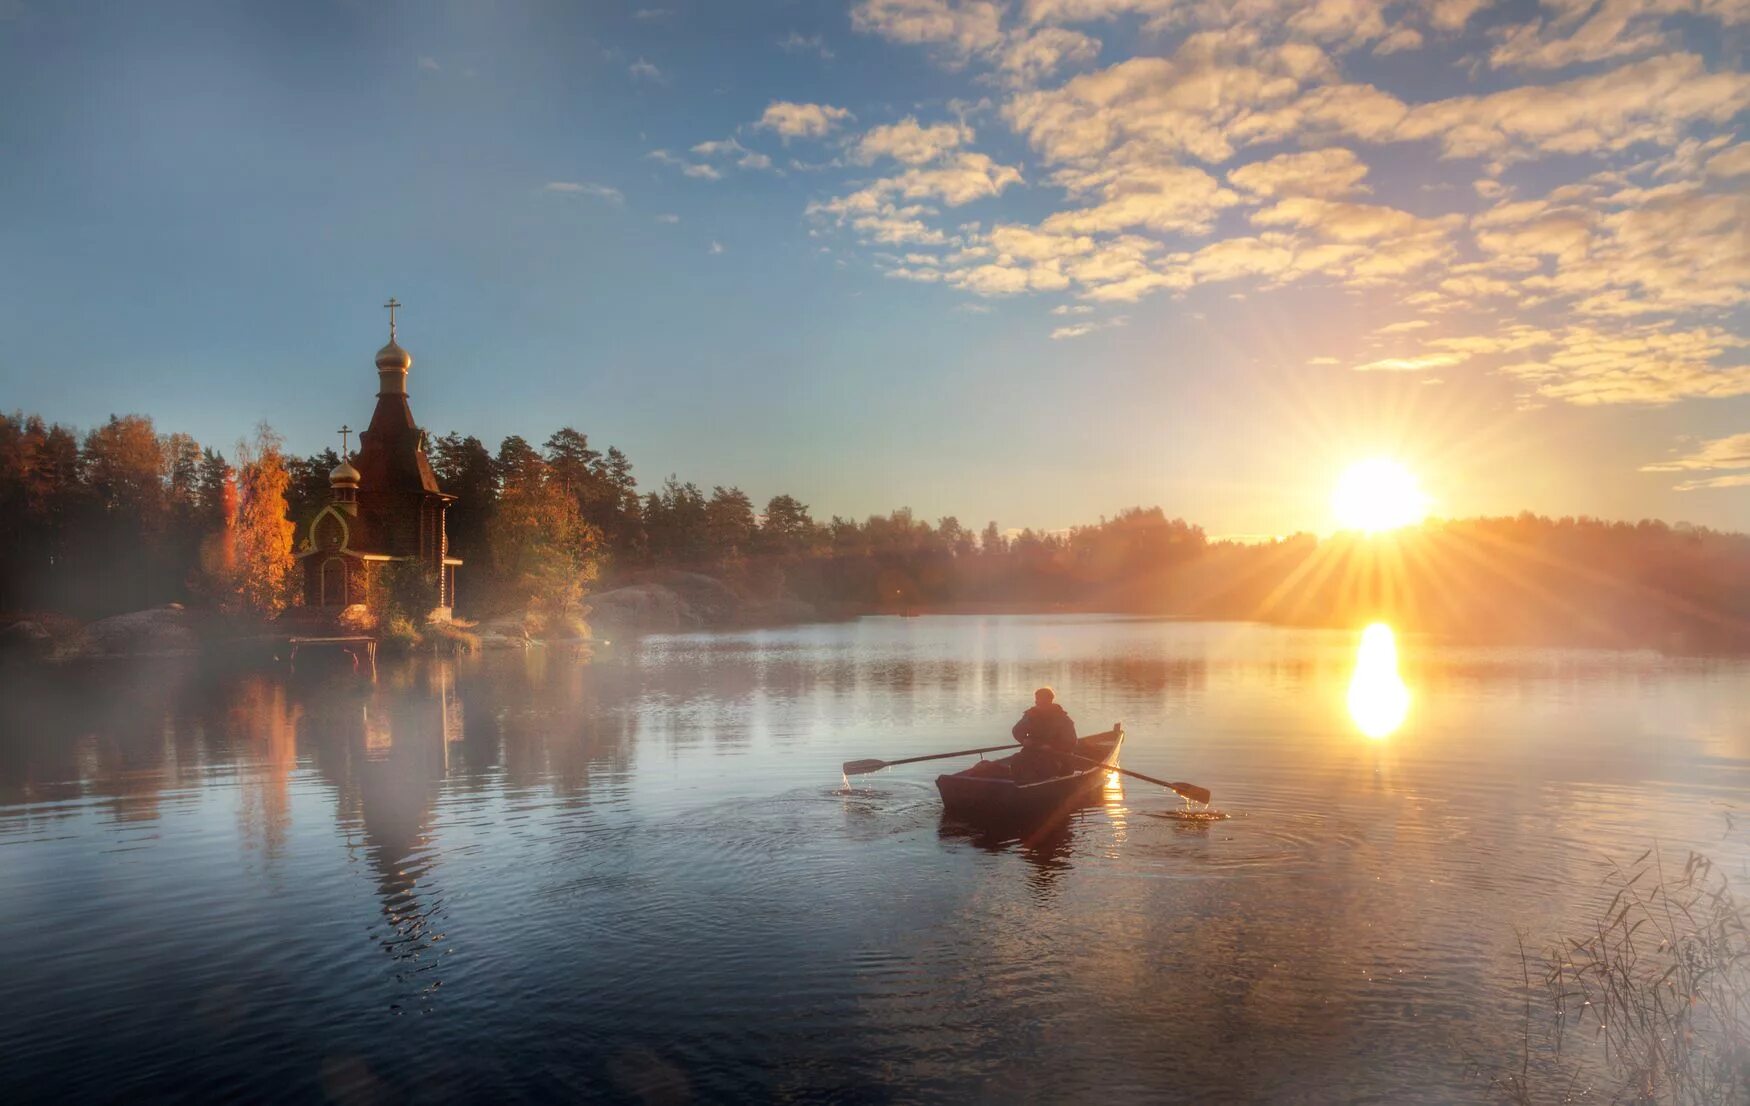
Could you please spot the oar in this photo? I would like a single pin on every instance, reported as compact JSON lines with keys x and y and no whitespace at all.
{"x":1189,"y":790}
{"x":863,"y":767}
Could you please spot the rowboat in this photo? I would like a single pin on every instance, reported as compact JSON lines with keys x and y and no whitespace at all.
{"x":989,"y":792}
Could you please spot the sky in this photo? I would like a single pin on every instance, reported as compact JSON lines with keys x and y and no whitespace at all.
{"x":1023,"y":261}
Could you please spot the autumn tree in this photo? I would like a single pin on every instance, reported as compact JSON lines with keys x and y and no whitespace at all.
{"x":262,"y":538}
{"x":543,"y":550}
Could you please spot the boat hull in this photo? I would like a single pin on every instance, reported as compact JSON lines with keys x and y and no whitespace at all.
{"x":987,"y":793}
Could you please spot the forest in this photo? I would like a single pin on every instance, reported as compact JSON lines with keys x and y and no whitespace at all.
{"x":123,"y":517}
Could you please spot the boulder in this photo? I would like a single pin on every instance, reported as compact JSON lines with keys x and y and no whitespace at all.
{"x":24,"y":636}
{"x":505,"y":632}
{"x":650,"y":608}
{"x":165,"y":631}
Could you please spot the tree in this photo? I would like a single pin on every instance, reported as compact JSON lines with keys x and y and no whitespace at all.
{"x":675,"y":522}
{"x":518,"y":462}
{"x":991,"y":542}
{"x":729,"y":523}
{"x":787,"y":528}
{"x":262,"y":539}
{"x":543,"y":550}
{"x":466,"y":470}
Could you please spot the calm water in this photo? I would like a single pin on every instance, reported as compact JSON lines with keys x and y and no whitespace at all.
{"x":642,"y":880}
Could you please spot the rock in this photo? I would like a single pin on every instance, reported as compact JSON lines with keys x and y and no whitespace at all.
{"x":159,"y":632}
{"x":650,"y":608}
{"x":506,"y":632}
{"x":24,"y":636}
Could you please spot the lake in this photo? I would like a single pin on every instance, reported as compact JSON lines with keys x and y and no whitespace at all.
{"x":643,"y":879}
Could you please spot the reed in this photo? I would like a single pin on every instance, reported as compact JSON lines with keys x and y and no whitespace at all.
{"x":1660,"y":984}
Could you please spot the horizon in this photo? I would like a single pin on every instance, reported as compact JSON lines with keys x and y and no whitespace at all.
{"x":761,"y":265}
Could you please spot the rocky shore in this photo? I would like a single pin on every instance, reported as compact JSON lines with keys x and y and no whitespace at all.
{"x":666,"y":602}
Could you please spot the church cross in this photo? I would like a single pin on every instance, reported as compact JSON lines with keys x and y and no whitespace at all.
{"x":343,"y":432}
{"x":392,"y":305}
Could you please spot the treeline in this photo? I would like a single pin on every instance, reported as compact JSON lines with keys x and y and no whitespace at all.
{"x":123,"y":517}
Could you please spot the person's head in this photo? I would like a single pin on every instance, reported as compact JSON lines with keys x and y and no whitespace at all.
{"x":1044,"y":697}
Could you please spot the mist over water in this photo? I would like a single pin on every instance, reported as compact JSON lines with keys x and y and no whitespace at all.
{"x":643,"y":879}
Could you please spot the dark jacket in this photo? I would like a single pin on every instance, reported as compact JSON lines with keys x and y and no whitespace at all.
{"x":1047,"y":727}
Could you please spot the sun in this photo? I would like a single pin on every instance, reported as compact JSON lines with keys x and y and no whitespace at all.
{"x":1378,"y":494}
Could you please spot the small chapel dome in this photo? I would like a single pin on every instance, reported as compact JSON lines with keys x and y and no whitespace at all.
{"x":344,"y":475}
{"x":392,"y":356}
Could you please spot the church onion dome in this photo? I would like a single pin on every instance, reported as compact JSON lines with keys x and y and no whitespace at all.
{"x":393,"y":357}
{"x":344,"y":475}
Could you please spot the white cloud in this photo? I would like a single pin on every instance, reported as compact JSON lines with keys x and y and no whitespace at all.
{"x":798,"y":43}
{"x":1327,"y":173}
{"x":585,"y":188}
{"x":1421,"y":363}
{"x":909,"y":142}
{"x":1656,"y":100}
{"x":1731,"y":452}
{"x":668,"y":218}
{"x":1399,"y":40}
{"x":646,"y":71}
{"x":1030,"y":57}
{"x":715,"y":248}
{"x":1731,"y":162}
{"x":429,"y":64}
{"x":731,"y":149}
{"x":961,"y":27}
{"x":796,"y":120}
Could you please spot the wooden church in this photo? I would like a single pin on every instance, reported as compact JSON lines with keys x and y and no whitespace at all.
{"x":385,"y":518}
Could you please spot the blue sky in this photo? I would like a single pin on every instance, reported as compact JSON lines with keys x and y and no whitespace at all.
{"x":1031,"y":261}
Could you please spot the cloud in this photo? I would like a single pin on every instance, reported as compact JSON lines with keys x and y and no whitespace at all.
{"x":1162,"y":198}
{"x":652,"y":13}
{"x":1731,"y":452}
{"x":880,"y":220}
{"x":1028,"y":58}
{"x":1619,"y":363}
{"x":797,"y":43}
{"x":1574,"y":32}
{"x":645,"y":71}
{"x":429,"y":64}
{"x":715,"y":248}
{"x":585,"y":188}
{"x":794,"y":120}
{"x":669,"y":218}
{"x":1729,"y":163}
{"x":1655,"y":100}
{"x":1082,"y":329}
{"x":730,"y":148}
{"x":1417,"y":364}
{"x":959,"y":27}
{"x":1328,"y":173}
{"x":911,"y":143}
{"x":1399,"y":40}
{"x":1248,"y":154}
{"x":955,"y":180}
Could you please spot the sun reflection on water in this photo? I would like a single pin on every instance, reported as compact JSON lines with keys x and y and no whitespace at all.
{"x":1378,"y":699}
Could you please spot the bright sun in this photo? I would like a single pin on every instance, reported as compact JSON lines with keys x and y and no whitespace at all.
{"x":1378,"y":494}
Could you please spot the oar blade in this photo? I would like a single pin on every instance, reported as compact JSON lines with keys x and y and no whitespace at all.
{"x":1193,"y":792}
{"x":863,"y":767}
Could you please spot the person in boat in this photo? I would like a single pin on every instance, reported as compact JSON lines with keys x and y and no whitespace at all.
{"x":1047,"y":735}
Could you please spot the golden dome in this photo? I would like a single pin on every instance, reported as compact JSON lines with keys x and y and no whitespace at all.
{"x":392,"y":356}
{"x":344,"y":473}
